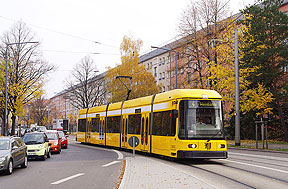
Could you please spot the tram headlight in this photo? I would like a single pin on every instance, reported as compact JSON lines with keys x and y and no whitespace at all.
{"x":221,"y":146}
{"x":192,"y":146}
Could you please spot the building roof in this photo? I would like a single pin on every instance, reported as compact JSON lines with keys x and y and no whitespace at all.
{"x":97,"y":77}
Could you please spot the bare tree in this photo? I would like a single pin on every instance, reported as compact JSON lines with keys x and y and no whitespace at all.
{"x":200,"y":28}
{"x":26,"y":68}
{"x":39,"y":111}
{"x":86,"y":88}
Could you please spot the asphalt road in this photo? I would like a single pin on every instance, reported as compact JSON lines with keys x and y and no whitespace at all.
{"x":84,"y":166}
{"x":243,"y":169}
{"x":79,"y":166}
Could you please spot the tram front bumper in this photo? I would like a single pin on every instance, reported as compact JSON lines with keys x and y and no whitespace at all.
{"x":202,"y":154}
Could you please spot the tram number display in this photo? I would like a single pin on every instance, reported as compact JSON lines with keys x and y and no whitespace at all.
{"x":130,"y":141}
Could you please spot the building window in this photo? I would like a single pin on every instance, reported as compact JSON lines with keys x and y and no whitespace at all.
{"x":172,"y":73}
{"x":168,"y":59}
{"x":163,"y":75}
{"x":155,"y":71}
{"x":285,"y":69}
{"x":182,"y":70}
{"x":168,"y":74}
{"x":160,"y":61}
{"x":163,"y":61}
{"x":163,"y":88}
{"x":160,"y":76}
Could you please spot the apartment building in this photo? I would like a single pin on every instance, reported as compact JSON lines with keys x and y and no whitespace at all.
{"x":158,"y":62}
{"x":61,"y":106}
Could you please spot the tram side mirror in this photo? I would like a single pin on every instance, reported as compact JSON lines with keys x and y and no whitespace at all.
{"x":174,"y":114}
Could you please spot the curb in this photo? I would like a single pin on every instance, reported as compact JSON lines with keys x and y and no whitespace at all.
{"x":121,"y":186}
{"x":259,"y":150}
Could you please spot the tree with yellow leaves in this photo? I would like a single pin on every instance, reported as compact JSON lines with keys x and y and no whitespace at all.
{"x":223,"y":79}
{"x":26,"y":69}
{"x":143,"y":82}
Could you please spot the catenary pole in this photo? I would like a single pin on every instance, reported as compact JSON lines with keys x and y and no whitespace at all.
{"x":237,"y":104}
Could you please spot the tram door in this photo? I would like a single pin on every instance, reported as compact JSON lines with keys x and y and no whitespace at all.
{"x":102,"y":130}
{"x":124,"y":132}
{"x":88,"y":130}
{"x":144,"y":144}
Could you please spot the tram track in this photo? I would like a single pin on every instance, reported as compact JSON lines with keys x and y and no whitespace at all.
{"x":255,"y":161}
{"x":240,"y":177}
{"x":259,"y":174}
{"x":220,"y":175}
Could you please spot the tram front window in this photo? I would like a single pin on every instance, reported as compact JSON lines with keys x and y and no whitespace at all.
{"x":200,"y":119}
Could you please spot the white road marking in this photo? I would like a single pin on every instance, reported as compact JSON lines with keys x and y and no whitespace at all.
{"x":255,"y":166}
{"x":68,"y":178}
{"x":259,"y":156}
{"x":120,"y":155}
{"x":111,"y":163}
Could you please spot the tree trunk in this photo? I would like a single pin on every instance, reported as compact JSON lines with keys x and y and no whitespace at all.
{"x":13,"y":122}
{"x":282,"y":121}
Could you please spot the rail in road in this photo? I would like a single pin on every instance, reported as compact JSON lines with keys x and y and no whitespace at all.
{"x":243,"y":169}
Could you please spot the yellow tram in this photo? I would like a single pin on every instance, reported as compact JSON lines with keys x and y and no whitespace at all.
{"x":181,"y":123}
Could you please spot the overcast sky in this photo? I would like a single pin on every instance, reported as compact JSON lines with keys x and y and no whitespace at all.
{"x":66,"y":28}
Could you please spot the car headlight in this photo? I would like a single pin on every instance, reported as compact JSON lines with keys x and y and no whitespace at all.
{"x":3,"y":158}
{"x":55,"y":143}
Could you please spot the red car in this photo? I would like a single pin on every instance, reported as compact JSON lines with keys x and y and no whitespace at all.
{"x":64,"y":139}
{"x":54,"y":141}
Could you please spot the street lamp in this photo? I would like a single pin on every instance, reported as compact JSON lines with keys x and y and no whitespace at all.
{"x":176,"y":70}
{"x":5,"y":110}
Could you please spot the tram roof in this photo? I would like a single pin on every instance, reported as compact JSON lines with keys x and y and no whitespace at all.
{"x":161,"y":97}
{"x":187,"y":93}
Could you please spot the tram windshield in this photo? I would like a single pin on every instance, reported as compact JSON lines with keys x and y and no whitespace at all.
{"x":200,"y":119}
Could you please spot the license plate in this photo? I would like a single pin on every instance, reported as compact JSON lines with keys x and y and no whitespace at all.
{"x":31,"y":153}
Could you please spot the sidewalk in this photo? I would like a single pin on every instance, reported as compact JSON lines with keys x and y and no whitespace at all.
{"x":142,"y":172}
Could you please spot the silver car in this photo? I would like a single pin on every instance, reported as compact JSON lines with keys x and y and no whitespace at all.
{"x":12,"y":154}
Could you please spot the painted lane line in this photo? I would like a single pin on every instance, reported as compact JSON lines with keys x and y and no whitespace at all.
{"x":68,"y":178}
{"x":259,"y":156}
{"x":111,"y":163}
{"x":120,"y":155}
{"x":255,"y":166}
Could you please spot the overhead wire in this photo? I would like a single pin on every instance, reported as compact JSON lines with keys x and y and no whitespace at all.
{"x":62,"y":33}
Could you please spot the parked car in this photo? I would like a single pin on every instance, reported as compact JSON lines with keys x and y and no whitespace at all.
{"x":37,"y":145}
{"x":54,"y":141}
{"x":64,"y":139}
{"x":41,"y":129}
{"x":12,"y":154}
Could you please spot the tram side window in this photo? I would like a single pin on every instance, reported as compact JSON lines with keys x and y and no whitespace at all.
{"x":164,"y":124}
{"x":113,"y":124}
{"x":82,"y":125}
{"x":134,"y":124}
{"x":95,"y":124}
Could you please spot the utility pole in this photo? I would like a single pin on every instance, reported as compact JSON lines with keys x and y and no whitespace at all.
{"x":237,"y":104}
